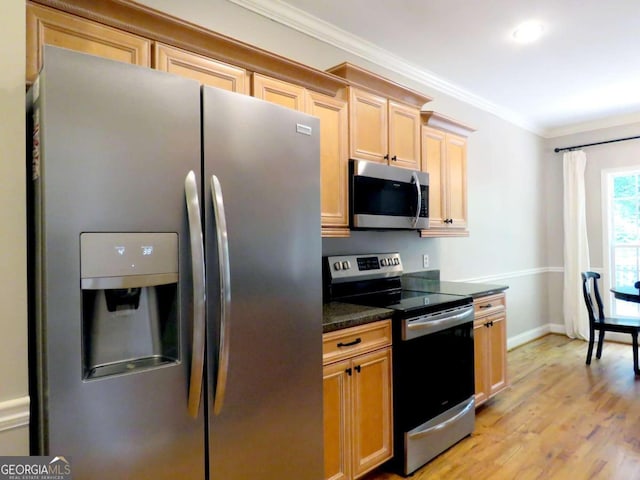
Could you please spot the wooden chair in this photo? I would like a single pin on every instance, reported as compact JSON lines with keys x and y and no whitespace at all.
{"x":606,"y":324}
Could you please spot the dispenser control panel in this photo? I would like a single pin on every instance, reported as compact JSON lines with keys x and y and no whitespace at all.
{"x":107,"y":257}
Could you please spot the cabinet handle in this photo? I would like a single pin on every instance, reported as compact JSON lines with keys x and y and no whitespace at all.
{"x":350,"y":344}
{"x":489,"y":324}
{"x":386,"y":157}
{"x":394,"y":158}
{"x":348,"y":370}
{"x":488,"y":305}
{"x":358,"y":368}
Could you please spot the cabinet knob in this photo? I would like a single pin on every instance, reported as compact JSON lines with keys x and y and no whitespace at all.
{"x":386,"y":157}
{"x":358,"y":368}
{"x":394,"y":158}
{"x":348,"y":370}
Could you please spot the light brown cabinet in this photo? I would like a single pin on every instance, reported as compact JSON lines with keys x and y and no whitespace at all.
{"x":197,"y":67}
{"x":490,"y":343}
{"x":383,"y":130}
{"x":278,"y":92}
{"x":444,"y":157}
{"x":358,"y":423}
{"x":332,"y":112}
{"x":46,"y":26}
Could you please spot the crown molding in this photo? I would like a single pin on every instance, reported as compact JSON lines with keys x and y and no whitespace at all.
{"x":609,"y":122}
{"x":312,"y":26}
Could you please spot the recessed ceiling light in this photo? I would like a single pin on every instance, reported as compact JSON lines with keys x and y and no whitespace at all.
{"x":528,"y":31}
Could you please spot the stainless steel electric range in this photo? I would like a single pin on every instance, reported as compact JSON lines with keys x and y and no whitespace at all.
{"x":433,"y":373}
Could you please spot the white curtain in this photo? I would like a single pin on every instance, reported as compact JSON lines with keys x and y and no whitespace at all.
{"x":576,"y":246}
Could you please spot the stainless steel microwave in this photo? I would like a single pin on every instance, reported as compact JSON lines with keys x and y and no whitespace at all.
{"x":385,"y":197}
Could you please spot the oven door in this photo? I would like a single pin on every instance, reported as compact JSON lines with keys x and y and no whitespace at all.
{"x":388,"y":197}
{"x":433,"y":364}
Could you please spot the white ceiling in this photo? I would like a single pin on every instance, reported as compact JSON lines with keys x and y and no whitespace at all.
{"x":583,"y":73}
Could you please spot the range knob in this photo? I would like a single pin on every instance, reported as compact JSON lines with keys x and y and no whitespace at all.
{"x":346,"y":265}
{"x":337,"y":266}
{"x":396,"y":261}
{"x":383,"y":262}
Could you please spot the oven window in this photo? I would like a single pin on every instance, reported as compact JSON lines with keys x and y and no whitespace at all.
{"x":432,"y":374}
{"x":374,"y":196}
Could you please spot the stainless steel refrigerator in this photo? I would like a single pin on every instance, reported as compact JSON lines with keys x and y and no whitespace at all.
{"x":176,"y":283}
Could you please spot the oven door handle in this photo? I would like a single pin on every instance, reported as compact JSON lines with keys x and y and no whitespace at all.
{"x":416,"y":182}
{"x":441,"y":426}
{"x":431,"y":324}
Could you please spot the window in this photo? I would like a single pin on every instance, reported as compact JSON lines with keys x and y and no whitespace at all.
{"x":622,"y":201}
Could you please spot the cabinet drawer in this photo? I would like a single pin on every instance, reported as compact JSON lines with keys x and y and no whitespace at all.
{"x":489,"y":305}
{"x":352,"y":341}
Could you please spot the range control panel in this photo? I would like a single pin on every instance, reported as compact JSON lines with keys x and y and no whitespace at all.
{"x":348,"y":268}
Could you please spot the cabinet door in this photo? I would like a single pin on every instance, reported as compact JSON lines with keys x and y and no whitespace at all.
{"x":337,"y":420}
{"x":205,"y":70}
{"x":497,"y":374}
{"x":279,"y":92}
{"x":368,"y":126}
{"x":404,"y":136}
{"x":456,"y":155}
{"x":481,"y":361}
{"x":372,"y":404}
{"x":46,"y":26}
{"x":433,"y":157}
{"x":332,"y":113}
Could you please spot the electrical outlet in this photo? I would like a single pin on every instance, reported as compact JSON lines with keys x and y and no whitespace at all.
{"x":425,"y":261}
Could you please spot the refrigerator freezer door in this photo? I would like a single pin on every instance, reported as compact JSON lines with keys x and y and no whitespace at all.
{"x":266,"y":159}
{"x":116,"y":144}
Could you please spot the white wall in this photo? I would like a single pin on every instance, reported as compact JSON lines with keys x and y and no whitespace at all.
{"x":599,"y":158}
{"x":13,"y":315}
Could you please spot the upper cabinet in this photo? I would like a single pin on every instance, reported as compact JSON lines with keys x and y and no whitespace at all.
{"x":46,"y":26}
{"x":276,"y":91}
{"x":384,"y":118}
{"x":383,"y":130}
{"x":332,"y":112}
{"x":203,"y":69}
{"x":444,"y":158}
{"x":334,"y":158}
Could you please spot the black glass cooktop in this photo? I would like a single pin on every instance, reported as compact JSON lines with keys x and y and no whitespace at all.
{"x":410,"y":301}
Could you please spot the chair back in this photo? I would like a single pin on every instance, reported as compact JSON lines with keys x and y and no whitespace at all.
{"x":591,"y":293}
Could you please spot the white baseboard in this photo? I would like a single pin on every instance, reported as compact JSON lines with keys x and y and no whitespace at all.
{"x":521,"y":339}
{"x":14,"y":413}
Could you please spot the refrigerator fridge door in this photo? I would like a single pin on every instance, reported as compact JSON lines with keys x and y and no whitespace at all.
{"x":113,"y":351}
{"x":265,"y":375}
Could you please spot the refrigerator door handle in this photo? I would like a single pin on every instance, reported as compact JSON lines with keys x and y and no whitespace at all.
{"x":199,"y":293}
{"x":225,"y":292}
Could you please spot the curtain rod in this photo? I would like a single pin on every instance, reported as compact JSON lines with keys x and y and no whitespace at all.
{"x":563,"y":149}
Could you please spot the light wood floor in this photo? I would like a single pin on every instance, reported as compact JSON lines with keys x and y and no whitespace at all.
{"x":558,"y":420}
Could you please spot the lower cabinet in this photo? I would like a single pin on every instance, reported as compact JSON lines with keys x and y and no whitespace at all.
{"x":490,"y":343}
{"x":358,"y":421}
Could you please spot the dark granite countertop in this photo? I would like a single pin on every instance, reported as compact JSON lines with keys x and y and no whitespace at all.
{"x":338,"y":315}
{"x":423,"y":282}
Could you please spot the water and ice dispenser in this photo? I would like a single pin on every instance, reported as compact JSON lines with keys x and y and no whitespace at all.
{"x":129,"y":287}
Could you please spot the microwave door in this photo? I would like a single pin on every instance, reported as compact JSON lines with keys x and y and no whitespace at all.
{"x":394,"y":201}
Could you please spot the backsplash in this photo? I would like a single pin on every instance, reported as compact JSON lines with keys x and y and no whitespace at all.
{"x":411,"y":247}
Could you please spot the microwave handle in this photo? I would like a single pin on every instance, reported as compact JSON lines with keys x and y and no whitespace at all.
{"x":416,"y":182}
